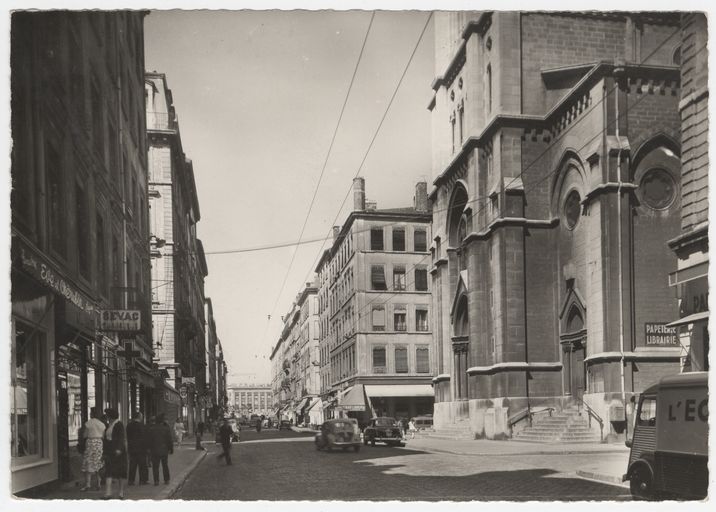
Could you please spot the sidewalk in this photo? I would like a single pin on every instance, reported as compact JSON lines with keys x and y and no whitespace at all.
{"x":606,"y":462}
{"x":181,"y":463}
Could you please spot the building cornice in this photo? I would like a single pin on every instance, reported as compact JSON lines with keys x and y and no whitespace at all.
{"x":515,"y":367}
{"x":566,"y":110}
{"x":662,"y":355}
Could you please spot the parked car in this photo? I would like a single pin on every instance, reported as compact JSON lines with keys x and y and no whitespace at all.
{"x":383,"y":430}
{"x":338,"y":433}
{"x":284,"y":424}
{"x":423,"y":422}
{"x":669,"y":448}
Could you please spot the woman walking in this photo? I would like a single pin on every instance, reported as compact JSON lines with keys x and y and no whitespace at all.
{"x":93,"y":431}
{"x":179,"y":430}
{"x":115,"y":454}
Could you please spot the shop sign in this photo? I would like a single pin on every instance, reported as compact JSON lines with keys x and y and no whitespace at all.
{"x":182,"y":391}
{"x":659,"y":335}
{"x":695,"y":296}
{"x":189,"y":380}
{"x":42,"y":271}
{"x":120,"y":320}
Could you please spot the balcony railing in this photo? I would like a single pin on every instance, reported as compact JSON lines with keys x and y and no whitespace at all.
{"x":161,"y":121}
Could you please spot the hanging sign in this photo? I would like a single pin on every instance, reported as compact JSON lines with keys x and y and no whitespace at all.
{"x":120,"y":320}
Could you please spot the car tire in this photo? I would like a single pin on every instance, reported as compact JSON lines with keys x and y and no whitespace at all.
{"x":365,"y":441}
{"x":372,"y":441}
{"x":641,"y":484}
{"x":356,"y":448}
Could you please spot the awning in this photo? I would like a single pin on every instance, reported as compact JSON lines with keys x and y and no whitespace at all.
{"x":690,"y":319}
{"x":353,"y":399}
{"x":401,"y":390}
{"x":316,"y":403}
{"x":302,"y":404}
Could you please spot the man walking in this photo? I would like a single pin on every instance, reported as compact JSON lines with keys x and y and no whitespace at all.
{"x":199,"y":432}
{"x":225,"y":434}
{"x":137,"y":448}
{"x":160,"y":446}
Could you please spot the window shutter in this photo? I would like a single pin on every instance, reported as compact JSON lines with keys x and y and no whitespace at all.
{"x":377,"y":277}
{"x":401,"y":360}
{"x":421,"y":279}
{"x":422,"y":360}
{"x":420,"y":241}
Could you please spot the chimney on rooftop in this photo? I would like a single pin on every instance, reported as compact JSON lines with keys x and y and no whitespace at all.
{"x":421,"y":196}
{"x":336,"y":231}
{"x":358,"y":194}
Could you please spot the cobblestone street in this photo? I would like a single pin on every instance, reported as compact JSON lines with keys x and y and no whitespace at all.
{"x":267,"y":466}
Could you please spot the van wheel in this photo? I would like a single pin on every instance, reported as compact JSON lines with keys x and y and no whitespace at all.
{"x":640,"y":484}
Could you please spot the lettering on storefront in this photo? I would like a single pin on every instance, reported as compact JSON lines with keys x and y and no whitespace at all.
{"x":48,"y":276}
{"x":659,"y":335}
{"x":120,"y":320}
{"x":695,"y":297}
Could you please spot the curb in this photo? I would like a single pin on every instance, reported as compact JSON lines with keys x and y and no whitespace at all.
{"x":520,"y":454}
{"x":176,"y":483}
{"x":599,"y":477}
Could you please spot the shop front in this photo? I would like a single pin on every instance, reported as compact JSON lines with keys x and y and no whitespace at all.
{"x":53,"y":324}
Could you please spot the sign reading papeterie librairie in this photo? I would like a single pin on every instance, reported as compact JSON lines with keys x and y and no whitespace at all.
{"x":121,"y":320}
{"x":659,"y":335}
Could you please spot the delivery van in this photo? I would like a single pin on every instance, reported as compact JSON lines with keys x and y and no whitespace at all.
{"x":669,"y":446}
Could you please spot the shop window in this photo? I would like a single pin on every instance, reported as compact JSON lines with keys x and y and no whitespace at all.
{"x":401,"y":360}
{"x":377,"y":277}
{"x":399,"y":319}
{"x":398,"y":239}
{"x":26,"y":417}
{"x":421,"y":319}
{"x":378,"y":318}
{"x":398,"y":278}
{"x":420,"y":241}
{"x":378,"y":359}
{"x":376,"y":239}
{"x":421,"y":279}
{"x":422,"y":360}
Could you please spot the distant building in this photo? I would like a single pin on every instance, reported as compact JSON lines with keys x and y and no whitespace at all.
{"x":556,"y":189}
{"x":178,"y":261}
{"x":294,"y":360}
{"x":377,"y":355}
{"x":248,"y":399}
{"x":79,"y":234}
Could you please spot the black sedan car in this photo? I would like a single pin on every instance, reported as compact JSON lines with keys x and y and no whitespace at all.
{"x":338,"y":433}
{"x":383,"y":430}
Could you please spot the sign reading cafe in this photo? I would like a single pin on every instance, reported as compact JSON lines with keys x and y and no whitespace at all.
{"x":121,"y":320}
{"x":659,"y":335}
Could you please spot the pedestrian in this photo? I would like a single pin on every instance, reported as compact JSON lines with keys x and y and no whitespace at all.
{"x":159,"y":436}
{"x":404,"y":426}
{"x":179,"y":430}
{"x":225,"y":435}
{"x":199,"y":433}
{"x":137,"y":448}
{"x":93,"y":431}
{"x":116,"y":454}
{"x":259,"y":420}
{"x":411,"y":428}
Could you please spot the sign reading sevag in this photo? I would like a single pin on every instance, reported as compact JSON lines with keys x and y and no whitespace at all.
{"x":120,"y":320}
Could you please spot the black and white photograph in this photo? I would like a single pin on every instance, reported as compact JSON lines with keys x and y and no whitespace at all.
{"x":357,"y":253}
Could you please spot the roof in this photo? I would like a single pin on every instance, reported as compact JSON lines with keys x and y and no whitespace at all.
{"x":688,"y":379}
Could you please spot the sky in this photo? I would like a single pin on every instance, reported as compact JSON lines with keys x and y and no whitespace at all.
{"x":258,"y":96}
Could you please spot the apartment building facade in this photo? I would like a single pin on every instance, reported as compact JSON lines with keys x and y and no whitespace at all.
{"x":178,"y":261}
{"x":79,"y":249}
{"x":376,"y":345}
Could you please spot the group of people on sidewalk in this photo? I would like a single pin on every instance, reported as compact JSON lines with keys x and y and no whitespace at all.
{"x":112,"y":452}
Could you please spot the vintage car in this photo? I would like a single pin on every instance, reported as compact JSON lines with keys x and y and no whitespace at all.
{"x":284,"y":424}
{"x":423,"y":422}
{"x":383,"y":430}
{"x":338,"y":433}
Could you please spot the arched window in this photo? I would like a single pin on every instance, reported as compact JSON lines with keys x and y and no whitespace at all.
{"x":455,"y":215}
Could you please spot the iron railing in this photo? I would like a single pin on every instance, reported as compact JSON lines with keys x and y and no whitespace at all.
{"x":161,"y":121}
{"x":591,"y":413}
{"x":527,"y":413}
